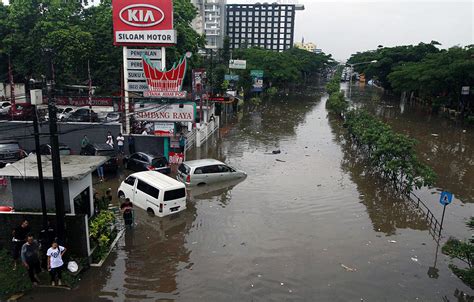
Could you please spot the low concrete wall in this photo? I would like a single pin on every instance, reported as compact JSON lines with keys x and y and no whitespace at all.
{"x":71,"y":134}
{"x":77,"y":232}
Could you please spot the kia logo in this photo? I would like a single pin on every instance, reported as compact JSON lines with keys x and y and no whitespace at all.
{"x":141,"y":15}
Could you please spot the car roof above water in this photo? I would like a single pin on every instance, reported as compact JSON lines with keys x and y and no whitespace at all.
{"x":164,"y":182}
{"x":202,"y":162}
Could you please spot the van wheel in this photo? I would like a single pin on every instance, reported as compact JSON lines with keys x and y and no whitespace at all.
{"x":201,"y":184}
{"x":121,"y":195}
{"x":150,"y":212}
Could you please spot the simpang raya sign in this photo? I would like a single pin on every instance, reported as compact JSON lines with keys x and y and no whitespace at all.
{"x":166,"y":113}
{"x":143,"y":22}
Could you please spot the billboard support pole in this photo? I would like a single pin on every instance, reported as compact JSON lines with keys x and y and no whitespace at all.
{"x":125,"y":86}
{"x":163,"y":58}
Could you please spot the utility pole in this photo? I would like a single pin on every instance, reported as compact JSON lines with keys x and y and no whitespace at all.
{"x":12,"y":87}
{"x":55,"y":158}
{"x":90,"y":91}
{"x":40,"y":169}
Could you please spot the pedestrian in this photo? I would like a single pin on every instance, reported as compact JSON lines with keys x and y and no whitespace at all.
{"x":108,"y":196}
{"x":120,"y":140}
{"x":145,"y":131}
{"x":55,"y":262}
{"x":30,"y":259}
{"x":110,"y":139}
{"x":127,"y":209}
{"x":100,"y":172}
{"x":84,"y":143}
{"x":131,"y":144}
{"x":182,"y":142}
{"x":19,"y":238}
{"x":211,"y":119}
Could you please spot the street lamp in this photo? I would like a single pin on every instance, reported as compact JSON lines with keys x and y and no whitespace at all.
{"x":352,"y":68}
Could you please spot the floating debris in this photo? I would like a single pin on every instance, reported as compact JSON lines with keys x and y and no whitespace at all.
{"x":348,"y":269}
{"x":281,"y":283}
{"x":434,"y":134}
{"x":392,"y":241}
{"x":414,"y":259}
{"x":282,"y":161}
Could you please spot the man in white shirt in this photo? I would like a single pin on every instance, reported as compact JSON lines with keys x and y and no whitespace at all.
{"x":120,"y":140}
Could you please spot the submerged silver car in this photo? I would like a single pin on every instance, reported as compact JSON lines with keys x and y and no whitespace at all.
{"x":206,"y":171}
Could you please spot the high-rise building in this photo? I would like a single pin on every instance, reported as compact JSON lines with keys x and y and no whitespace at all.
{"x":269,"y":26}
{"x":210,"y":21}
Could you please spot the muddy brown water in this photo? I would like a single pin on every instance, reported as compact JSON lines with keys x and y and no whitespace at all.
{"x":307,"y":224}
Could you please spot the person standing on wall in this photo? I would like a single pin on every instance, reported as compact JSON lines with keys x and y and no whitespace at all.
{"x":55,"y":262}
{"x":182,"y":142}
{"x":19,"y":238}
{"x":110,"y":139}
{"x":120,"y":141}
{"x":30,"y":259}
{"x":84,"y":143}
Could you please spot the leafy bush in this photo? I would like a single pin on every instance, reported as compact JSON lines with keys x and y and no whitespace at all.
{"x":390,"y":153}
{"x":12,"y":281}
{"x":463,"y":251}
{"x":271,"y":91}
{"x":101,"y":232}
{"x":337,"y":103}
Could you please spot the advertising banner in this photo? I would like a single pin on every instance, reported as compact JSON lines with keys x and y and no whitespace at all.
{"x":231,"y":77}
{"x":257,"y":80}
{"x":199,"y":76}
{"x":81,"y":101}
{"x":175,"y":157}
{"x":164,"y":83}
{"x":166,"y":113}
{"x":165,"y":129}
{"x":143,"y":22}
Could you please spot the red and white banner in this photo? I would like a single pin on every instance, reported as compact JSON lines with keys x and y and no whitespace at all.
{"x":143,"y":22}
{"x":164,"y":129}
{"x":164,"y":83}
{"x":166,"y":113}
{"x":175,"y":158}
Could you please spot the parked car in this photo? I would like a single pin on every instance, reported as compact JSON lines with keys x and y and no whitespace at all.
{"x":206,"y":171}
{"x":10,"y":152}
{"x":112,"y":117}
{"x":22,"y":112}
{"x":45,"y":149}
{"x":156,"y":193}
{"x":82,"y":115}
{"x":103,"y":149}
{"x":5,"y":108}
{"x":64,"y":113}
{"x":146,"y":162}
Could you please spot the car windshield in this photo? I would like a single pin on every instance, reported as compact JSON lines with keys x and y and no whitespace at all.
{"x":183,"y":169}
{"x":158,"y":162}
{"x":9,"y":147}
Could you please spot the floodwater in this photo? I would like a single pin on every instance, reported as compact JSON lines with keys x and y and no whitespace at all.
{"x":307,"y":224}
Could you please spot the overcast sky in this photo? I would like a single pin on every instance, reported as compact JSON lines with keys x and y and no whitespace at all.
{"x":345,"y":27}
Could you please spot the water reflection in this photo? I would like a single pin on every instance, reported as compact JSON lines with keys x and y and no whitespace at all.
{"x":387,"y":209}
{"x":443,"y":144}
{"x":221,"y":192}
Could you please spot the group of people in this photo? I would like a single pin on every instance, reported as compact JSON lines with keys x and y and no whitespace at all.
{"x":33,"y":253}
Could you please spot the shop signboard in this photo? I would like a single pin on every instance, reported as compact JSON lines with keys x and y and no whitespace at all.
{"x":165,"y":129}
{"x":143,"y":22}
{"x":231,"y":77}
{"x":164,"y":83}
{"x":166,"y":113}
{"x":237,"y":64}
{"x":257,"y":80}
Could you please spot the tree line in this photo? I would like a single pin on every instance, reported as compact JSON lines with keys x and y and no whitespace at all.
{"x":74,"y":36}
{"x":423,"y":71}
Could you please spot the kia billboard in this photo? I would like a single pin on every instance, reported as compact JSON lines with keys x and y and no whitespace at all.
{"x":143,"y":22}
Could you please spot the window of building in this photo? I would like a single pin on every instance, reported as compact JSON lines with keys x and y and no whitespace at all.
{"x":275,"y":46}
{"x":231,"y":13}
{"x":264,"y":13}
{"x":237,"y":13}
{"x":250,"y":19}
{"x":288,"y":36}
{"x":231,"y":18}
{"x":262,"y":24}
{"x":257,"y":13}
{"x":290,"y":14}
{"x":282,"y":41}
{"x":263,"y":19}
{"x":269,"y":41}
{"x":288,"y":30}
{"x":281,"y":47}
{"x":244,"y":13}
{"x":257,"y":19}
{"x":262,"y":35}
{"x":269,"y":24}
{"x":282,"y":13}
{"x":275,"y":30}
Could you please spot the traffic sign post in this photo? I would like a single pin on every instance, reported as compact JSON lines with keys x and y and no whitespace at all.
{"x":445,"y":199}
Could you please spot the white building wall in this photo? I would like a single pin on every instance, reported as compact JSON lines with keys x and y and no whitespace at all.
{"x":76,"y":187}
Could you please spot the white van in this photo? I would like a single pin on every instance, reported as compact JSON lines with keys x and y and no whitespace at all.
{"x":154,"y":192}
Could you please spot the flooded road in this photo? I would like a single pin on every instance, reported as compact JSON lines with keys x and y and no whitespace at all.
{"x":306,"y":224}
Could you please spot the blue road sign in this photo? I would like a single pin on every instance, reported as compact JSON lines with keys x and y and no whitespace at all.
{"x":446,"y":198}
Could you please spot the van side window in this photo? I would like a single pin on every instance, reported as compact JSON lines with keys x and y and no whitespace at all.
{"x":147,"y":189}
{"x":198,"y":171}
{"x":130,"y":180}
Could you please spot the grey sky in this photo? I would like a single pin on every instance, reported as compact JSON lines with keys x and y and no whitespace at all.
{"x":344,"y":27}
